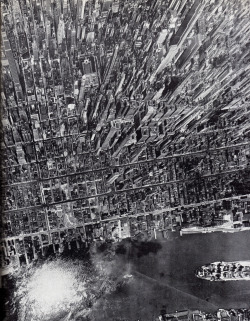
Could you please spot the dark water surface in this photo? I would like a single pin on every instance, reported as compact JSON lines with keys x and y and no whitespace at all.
{"x":167,"y":278}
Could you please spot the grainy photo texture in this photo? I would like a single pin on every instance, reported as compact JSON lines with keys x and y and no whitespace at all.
{"x":125,"y":160}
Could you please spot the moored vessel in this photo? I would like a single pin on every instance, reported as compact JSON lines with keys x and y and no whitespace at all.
{"x":225,"y":271}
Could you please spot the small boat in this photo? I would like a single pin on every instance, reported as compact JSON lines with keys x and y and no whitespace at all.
{"x":225,"y":271}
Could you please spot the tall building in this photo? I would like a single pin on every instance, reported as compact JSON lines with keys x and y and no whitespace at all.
{"x":179,"y":37}
{"x":80,"y":9}
{"x":60,"y":31}
{"x":12,"y":65}
{"x":87,"y":68}
{"x":115,"y":6}
{"x":134,"y":119}
{"x":162,"y":36}
{"x":111,"y":65}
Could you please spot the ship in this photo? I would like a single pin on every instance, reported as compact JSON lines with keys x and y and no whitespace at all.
{"x":225,"y":271}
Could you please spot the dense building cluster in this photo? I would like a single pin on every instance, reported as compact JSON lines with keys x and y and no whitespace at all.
{"x":122,"y":118}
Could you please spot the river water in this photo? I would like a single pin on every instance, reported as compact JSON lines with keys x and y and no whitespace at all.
{"x":167,"y":280}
